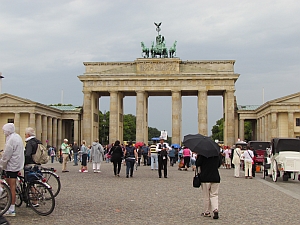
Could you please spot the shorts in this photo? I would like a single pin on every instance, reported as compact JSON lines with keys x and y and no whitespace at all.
{"x":227,"y":160}
{"x":10,"y":174}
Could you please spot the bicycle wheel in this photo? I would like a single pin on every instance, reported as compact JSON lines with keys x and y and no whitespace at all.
{"x":53,"y":180}
{"x":5,"y":198}
{"x":40,"y":198}
{"x":19,"y":199}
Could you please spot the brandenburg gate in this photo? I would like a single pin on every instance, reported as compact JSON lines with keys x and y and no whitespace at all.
{"x":161,"y":75}
{"x":146,"y":77}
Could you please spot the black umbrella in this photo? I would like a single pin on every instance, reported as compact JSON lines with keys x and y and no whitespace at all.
{"x":202,"y":145}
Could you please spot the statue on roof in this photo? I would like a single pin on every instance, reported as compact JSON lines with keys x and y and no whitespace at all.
{"x":159,"y":49}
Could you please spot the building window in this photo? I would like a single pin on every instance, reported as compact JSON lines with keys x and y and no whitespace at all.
{"x":10,"y":120}
{"x":298,"y":122}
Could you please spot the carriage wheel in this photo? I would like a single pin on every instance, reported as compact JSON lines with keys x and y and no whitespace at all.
{"x":274,"y":171}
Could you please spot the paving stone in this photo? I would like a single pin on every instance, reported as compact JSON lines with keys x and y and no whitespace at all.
{"x":102,"y":198}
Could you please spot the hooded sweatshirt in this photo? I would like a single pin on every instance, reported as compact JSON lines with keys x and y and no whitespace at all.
{"x":13,"y":156}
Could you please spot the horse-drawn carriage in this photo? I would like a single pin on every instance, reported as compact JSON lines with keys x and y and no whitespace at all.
{"x":283,"y":159}
{"x":259,"y":148}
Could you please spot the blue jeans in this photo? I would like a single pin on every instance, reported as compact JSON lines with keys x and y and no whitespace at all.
{"x":129,"y":166}
{"x":75,"y":158}
{"x":154,"y":159}
{"x":52,"y":158}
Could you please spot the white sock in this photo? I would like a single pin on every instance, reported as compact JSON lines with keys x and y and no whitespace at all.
{"x":12,"y":208}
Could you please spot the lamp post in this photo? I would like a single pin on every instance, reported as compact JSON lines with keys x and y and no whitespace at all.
{"x":1,"y":77}
{"x":103,"y":125}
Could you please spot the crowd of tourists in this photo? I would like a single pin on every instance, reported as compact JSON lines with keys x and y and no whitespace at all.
{"x":156,"y":156}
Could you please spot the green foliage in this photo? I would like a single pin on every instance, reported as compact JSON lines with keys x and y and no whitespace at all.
{"x":129,"y":127}
{"x":104,"y":127}
{"x":217,"y":130}
{"x":153,"y":132}
{"x":248,"y":131}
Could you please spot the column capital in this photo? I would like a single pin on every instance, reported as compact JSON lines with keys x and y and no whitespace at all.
{"x":87,"y":92}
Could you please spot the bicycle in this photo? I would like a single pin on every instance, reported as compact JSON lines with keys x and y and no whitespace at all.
{"x":52,"y":179}
{"x":5,"y":195}
{"x":35,"y":192}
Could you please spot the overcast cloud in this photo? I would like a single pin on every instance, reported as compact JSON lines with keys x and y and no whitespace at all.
{"x":43,"y":45}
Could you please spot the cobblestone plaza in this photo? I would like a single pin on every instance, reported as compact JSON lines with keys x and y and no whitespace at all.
{"x":92,"y":198}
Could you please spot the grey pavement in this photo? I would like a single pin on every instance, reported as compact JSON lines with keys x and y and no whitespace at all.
{"x":88,"y":198}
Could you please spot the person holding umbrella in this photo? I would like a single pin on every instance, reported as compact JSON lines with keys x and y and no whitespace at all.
{"x":208,"y":160}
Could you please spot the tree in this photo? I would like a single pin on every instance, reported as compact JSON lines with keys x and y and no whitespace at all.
{"x":217,"y":130}
{"x":104,"y":127}
{"x":248,"y":130}
{"x":129,"y":127}
{"x":153,"y":132}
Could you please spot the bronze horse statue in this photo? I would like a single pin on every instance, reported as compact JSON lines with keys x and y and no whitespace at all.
{"x":159,"y":50}
{"x":172,"y":50}
{"x":145,"y":51}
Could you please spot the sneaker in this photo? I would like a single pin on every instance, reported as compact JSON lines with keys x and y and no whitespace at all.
{"x":98,"y":171}
{"x":10,"y":213}
{"x":80,"y":171}
{"x":95,"y":171}
{"x":85,"y":171}
{"x":207,"y":214}
{"x":35,"y":205}
{"x":216,"y":215}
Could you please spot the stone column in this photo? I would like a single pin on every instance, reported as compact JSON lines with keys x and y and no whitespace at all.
{"x":262,"y":128}
{"x":95,"y":116}
{"x":44,"y":129}
{"x":273,"y":126}
{"x":146,"y":138}
{"x":120,"y":116}
{"x":258,"y":129}
{"x":266,"y":128}
{"x":291,"y":125}
{"x":54,"y":134}
{"x":242,"y":130}
{"x":113,"y":117}
{"x":87,"y":126}
{"x":229,"y":118}
{"x":38,"y":131}
{"x":32,"y":120}
{"x":59,"y":133}
{"x":17,"y":123}
{"x":202,"y":112}
{"x":140,"y":116}
{"x":76,"y":131}
{"x":176,"y":117}
{"x":49,"y":131}
{"x":254,"y":129}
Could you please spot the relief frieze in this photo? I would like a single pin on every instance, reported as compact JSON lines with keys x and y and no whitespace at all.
{"x":215,"y":84}
{"x":157,"y":67}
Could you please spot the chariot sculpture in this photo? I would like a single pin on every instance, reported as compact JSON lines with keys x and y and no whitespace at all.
{"x":158,"y":49}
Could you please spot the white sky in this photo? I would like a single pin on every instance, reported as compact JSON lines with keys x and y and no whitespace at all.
{"x":43,"y":45}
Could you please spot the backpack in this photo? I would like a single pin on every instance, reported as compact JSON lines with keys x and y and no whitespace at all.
{"x":41,"y":155}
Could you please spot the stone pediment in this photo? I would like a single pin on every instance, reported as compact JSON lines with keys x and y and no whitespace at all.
{"x":8,"y":99}
{"x":290,"y":99}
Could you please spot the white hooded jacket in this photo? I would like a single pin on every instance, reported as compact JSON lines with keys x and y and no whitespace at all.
{"x":13,"y":156}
